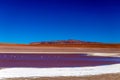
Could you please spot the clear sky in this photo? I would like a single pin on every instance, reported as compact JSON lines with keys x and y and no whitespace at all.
{"x":24,"y":21}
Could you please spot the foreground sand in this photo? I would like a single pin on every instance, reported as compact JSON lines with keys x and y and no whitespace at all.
{"x":97,"y":77}
{"x":61,"y":50}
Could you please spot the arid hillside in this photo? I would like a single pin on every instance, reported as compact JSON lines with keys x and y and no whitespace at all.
{"x":67,"y":43}
{"x":75,"y":43}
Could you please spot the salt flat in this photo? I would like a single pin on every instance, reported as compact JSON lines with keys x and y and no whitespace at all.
{"x":58,"y":72}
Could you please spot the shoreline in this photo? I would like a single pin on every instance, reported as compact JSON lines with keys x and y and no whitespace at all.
{"x":59,"y":72}
{"x":86,"y":53}
{"x":96,"y":77}
{"x":112,"y":52}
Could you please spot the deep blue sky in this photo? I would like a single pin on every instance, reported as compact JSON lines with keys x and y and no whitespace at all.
{"x":24,"y":21}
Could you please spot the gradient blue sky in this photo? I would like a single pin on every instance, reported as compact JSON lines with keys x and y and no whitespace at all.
{"x":24,"y":21}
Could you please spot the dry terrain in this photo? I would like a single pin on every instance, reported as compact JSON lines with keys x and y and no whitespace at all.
{"x":91,"y":49}
{"x":61,"y":46}
{"x":59,"y":50}
{"x":4,"y":48}
{"x":98,"y":77}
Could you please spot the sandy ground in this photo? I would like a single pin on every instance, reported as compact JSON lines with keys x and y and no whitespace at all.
{"x":97,"y":77}
{"x":55,"y":49}
{"x":59,"y":50}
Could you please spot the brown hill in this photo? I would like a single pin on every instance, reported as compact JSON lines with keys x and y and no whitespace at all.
{"x":64,"y":42}
{"x":75,"y":43}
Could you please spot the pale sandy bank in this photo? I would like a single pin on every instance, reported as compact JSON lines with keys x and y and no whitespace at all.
{"x":95,"y":77}
{"x":60,"y":50}
{"x":58,"y":72}
{"x":56,"y":49}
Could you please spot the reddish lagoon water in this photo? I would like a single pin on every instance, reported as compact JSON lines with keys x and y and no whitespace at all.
{"x":54,"y":60}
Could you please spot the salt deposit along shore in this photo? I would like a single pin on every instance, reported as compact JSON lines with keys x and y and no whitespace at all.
{"x":112,"y":52}
{"x":58,"y":72}
{"x":87,"y":53}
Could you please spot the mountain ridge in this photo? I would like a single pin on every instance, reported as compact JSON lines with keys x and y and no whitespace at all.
{"x":70,"y":41}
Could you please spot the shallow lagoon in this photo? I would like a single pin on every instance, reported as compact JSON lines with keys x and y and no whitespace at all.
{"x":54,"y":60}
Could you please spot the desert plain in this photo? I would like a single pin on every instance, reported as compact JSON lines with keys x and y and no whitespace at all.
{"x":106,"y":50}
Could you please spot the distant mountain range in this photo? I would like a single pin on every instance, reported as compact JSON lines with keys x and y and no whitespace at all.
{"x":71,"y":41}
{"x":74,"y":43}
{"x":67,"y":43}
